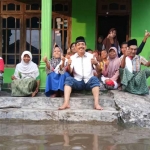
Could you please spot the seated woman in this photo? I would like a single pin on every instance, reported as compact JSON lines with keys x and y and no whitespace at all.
{"x":133,"y":79}
{"x":110,"y":73}
{"x":26,"y":77}
{"x":56,"y":73}
{"x":1,"y":71}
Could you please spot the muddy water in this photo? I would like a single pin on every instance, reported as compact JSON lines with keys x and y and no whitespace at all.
{"x":61,"y":136}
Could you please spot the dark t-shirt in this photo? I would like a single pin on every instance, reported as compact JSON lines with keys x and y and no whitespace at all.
{"x":99,"y":46}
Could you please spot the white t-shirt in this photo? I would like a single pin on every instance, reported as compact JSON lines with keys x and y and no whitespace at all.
{"x":82,"y":67}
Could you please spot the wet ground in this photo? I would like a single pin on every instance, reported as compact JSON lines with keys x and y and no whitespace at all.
{"x":71,"y":136}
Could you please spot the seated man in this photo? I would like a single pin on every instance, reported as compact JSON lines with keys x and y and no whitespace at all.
{"x":81,"y":65}
{"x":124,"y":45}
{"x":133,"y":79}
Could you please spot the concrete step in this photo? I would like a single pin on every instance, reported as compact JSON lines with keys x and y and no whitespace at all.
{"x":83,"y":102}
{"x":109,"y":114}
{"x":45,"y":108}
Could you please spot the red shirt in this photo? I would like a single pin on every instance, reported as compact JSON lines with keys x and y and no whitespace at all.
{"x":1,"y":65}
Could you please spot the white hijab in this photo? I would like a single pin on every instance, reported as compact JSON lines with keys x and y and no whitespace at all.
{"x":27,"y":68}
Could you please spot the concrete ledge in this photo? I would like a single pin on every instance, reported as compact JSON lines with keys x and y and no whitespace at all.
{"x":117,"y":105}
{"x":73,"y":115}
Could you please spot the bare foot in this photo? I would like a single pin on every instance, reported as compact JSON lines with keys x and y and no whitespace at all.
{"x":98,"y":107}
{"x":64,"y":106}
{"x":54,"y":95}
{"x":120,"y":88}
{"x":33,"y":94}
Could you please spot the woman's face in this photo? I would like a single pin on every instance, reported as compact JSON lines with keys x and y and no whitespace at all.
{"x":113,"y":33}
{"x":104,"y":54}
{"x":73,"y":50}
{"x":112,"y":54}
{"x":26,"y":58}
{"x":56,"y":53}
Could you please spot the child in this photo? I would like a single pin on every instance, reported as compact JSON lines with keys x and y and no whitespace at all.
{"x":103,"y":59}
{"x":56,"y":73}
{"x":1,"y":71}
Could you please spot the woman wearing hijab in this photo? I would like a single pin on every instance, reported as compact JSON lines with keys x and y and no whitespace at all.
{"x":111,"y":70}
{"x":26,"y":77}
{"x":56,"y":73}
{"x":111,"y":41}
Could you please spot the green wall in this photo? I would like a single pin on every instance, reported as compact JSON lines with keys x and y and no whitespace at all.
{"x":140,"y":21}
{"x":8,"y":72}
{"x":84,"y":21}
{"x":84,"y":24}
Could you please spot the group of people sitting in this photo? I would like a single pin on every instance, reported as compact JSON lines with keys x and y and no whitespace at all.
{"x":84,"y":69}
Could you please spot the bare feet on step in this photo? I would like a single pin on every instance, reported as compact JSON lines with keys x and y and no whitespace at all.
{"x":64,"y":106}
{"x":98,"y":107}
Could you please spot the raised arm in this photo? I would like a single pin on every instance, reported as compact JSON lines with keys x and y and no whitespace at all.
{"x":140,"y":48}
{"x":63,"y":62}
{"x":46,"y":62}
{"x":123,"y":61}
{"x":148,"y":64}
{"x":69,"y":66}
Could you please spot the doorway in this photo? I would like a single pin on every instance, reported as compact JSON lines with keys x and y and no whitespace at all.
{"x":121,"y":23}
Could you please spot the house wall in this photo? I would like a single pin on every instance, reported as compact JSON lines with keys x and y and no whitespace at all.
{"x":84,"y":21}
{"x":139,"y":23}
{"x":84,"y":24}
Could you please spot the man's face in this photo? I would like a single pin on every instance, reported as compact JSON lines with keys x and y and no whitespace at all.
{"x":124,"y":48}
{"x":80,"y":47}
{"x":133,"y":50}
{"x":100,"y":40}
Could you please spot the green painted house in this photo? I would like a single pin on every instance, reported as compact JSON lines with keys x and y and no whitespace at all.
{"x":36,"y":25}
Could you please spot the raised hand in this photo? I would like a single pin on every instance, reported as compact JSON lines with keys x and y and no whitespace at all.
{"x":62,"y":58}
{"x":107,"y":63}
{"x":127,"y":52}
{"x":93,"y":60}
{"x":45,"y":59}
{"x":13,"y":78}
{"x":69,"y":61}
{"x":147,"y":34}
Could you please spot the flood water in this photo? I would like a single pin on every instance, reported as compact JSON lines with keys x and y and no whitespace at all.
{"x":71,"y":136}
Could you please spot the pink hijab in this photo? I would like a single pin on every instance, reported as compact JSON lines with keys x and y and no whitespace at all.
{"x":114,"y":64}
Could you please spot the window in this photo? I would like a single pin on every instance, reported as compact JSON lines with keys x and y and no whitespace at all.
{"x":60,"y":32}
{"x":20,"y":30}
{"x":7,"y":6}
{"x":113,"y":6}
{"x":10,"y":40}
{"x":33,"y":37}
{"x":60,"y":7}
{"x":61,"y":23}
{"x":33,"y":7}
